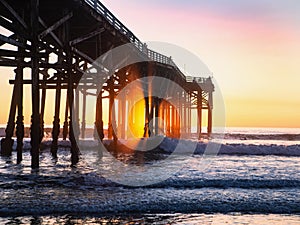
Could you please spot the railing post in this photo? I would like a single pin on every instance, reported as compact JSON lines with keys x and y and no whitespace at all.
{"x":95,"y":4}
{"x":145,"y":48}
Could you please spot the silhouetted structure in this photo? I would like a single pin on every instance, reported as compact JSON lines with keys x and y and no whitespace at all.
{"x":74,"y":33}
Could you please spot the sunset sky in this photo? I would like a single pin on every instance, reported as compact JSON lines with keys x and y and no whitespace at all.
{"x":252,"y":48}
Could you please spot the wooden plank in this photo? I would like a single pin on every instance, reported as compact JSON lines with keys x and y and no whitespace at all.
{"x":87,"y":36}
{"x":55,"y":25}
{"x":14,"y":28}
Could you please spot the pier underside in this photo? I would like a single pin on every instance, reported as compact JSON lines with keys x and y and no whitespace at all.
{"x":61,"y":42}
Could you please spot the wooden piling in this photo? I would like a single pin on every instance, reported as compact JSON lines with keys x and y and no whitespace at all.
{"x":7,"y":142}
{"x":70,"y":93}
{"x":111,"y":106}
{"x":20,"y":117}
{"x":210,"y":108}
{"x":56,"y":122}
{"x":66,"y":123}
{"x":35,"y":125}
{"x":83,"y":123}
{"x":146,"y":127}
{"x":43,"y":105}
{"x":122,"y":109}
{"x":168,"y":119}
{"x":74,"y":147}
{"x":189,"y":115}
{"x":76,"y":114}
{"x":99,"y":104}
{"x":99,"y":115}
{"x":162,"y":115}
{"x":157,"y":115}
{"x":173,"y":121}
{"x":199,"y":114}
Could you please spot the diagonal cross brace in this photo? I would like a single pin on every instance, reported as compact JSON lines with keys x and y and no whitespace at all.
{"x":55,"y":25}
{"x":51,"y":33}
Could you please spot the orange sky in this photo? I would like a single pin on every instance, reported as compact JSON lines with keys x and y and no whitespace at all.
{"x":252,"y":48}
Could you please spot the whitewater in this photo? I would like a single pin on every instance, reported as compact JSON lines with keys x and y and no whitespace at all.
{"x":256,"y":172}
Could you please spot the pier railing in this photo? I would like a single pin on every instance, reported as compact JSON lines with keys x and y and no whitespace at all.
{"x":154,"y":56}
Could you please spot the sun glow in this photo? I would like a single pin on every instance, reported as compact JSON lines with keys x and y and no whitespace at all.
{"x":131,"y":107}
{"x":136,"y":119}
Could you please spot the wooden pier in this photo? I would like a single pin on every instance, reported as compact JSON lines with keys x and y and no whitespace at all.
{"x":75,"y":33}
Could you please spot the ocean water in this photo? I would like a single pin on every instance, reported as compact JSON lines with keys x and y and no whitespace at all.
{"x":254,"y":179}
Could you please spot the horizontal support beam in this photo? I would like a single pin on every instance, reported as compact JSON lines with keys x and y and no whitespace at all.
{"x":63,"y":86}
{"x":10,"y":40}
{"x":13,"y":63}
{"x":88,"y":85}
{"x":43,"y":82}
{"x":9,"y":53}
{"x":55,"y":66}
{"x":13,"y":36}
